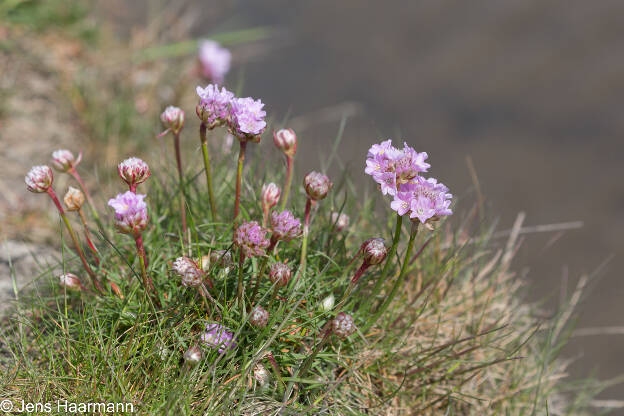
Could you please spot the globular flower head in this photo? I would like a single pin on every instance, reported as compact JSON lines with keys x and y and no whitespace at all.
{"x":74,"y":198}
{"x":173,"y":119}
{"x":214,"y":61}
{"x":286,"y":141}
{"x":70,"y":281}
{"x":133,"y":171}
{"x":285,"y":226}
{"x":374,"y":250}
{"x":259,"y":317}
{"x":189,"y":271}
{"x":340,"y":220}
{"x":424,"y":199}
{"x":343,"y":325}
{"x":213,"y":108}
{"x":391,"y":168}
{"x":270,"y":196}
{"x":251,"y":238}
{"x":39,"y":179}
{"x":218,"y":337}
{"x":247,"y":119}
{"x":280,"y":274}
{"x":63,"y":160}
{"x":317,"y":185}
{"x":193,"y":355}
{"x":130,"y":212}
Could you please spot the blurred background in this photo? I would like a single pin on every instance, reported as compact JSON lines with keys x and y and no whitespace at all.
{"x":518,"y":104}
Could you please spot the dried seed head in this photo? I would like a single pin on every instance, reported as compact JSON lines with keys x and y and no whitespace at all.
{"x":259,"y":317}
{"x":173,"y":119}
{"x":193,"y":355}
{"x":270,"y":196}
{"x":375,"y":251}
{"x":286,"y":141}
{"x":188,"y":270}
{"x":342,"y":325}
{"x":133,"y":171}
{"x":280,"y":274}
{"x":70,"y":281}
{"x":74,"y":198}
{"x":63,"y":160}
{"x":39,"y":179}
{"x":317,"y":185}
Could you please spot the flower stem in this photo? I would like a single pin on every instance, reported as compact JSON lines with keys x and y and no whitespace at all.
{"x":239,"y":289}
{"x":239,"y":178}
{"x":288,"y":182}
{"x":399,"y":281}
{"x":306,"y":232}
{"x":204,"y":144}
{"x":274,"y":296}
{"x":389,"y":258}
{"x":176,"y":145}
{"x":88,"y":237}
{"x":96,"y":216}
{"x":147,"y":281}
{"x":70,"y":230}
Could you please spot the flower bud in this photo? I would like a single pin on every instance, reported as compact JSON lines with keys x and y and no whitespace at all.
{"x":193,"y":355}
{"x":261,"y":375}
{"x":63,"y":160}
{"x":70,"y":281}
{"x":259,"y":317}
{"x":270,"y":196}
{"x":39,"y":179}
{"x":317,"y":185}
{"x":173,"y":119}
{"x":327,"y":304}
{"x":286,"y":141}
{"x":133,"y":171}
{"x":342,"y":325}
{"x":375,"y":251}
{"x":188,"y":270}
{"x":74,"y":198}
{"x":280,"y":274}
{"x":340,"y":221}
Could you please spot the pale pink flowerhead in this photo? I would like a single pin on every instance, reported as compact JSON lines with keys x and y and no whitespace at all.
{"x":39,"y":179}
{"x":173,"y":119}
{"x":219,"y":337}
{"x":189,"y":271}
{"x":259,"y":317}
{"x":70,"y":281}
{"x":247,"y":119}
{"x":317,"y":185}
{"x":214,"y":61}
{"x":340,"y":221}
{"x":286,"y":141}
{"x":285,"y":226}
{"x":213,"y":108}
{"x":130,"y":212}
{"x":133,"y":171}
{"x":63,"y":160}
{"x":343,"y":325}
{"x":270,"y":196}
{"x":250,"y":237}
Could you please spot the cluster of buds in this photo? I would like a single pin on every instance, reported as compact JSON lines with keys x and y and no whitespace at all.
{"x":286,"y":141}
{"x":173,"y":119}
{"x":259,"y":317}
{"x":342,"y":325}
{"x":189,"y":272}
{"x":316,"y":185}
{"x":64,"y":161}
{"x":133,"y":171}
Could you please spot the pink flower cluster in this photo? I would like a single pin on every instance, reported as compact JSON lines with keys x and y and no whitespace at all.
{"x":285,"y":226}
{"x":251,"y":238}
{"x":397,"y":173}
{"x":214,"y":61}
{"x":130,"y":212}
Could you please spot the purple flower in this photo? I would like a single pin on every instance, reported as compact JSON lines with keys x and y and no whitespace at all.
{"x":39,"y":179}
{"x":130,"y":212}
{"x":427,"y":199}
{"x":247,"y":119}
{"x":189,"y":271}
{"x":214,"y":61}
{"x":219,"y":337}
{"x":251,"y":238}
{"x":285,"y":226}
{"x":214,"y":105}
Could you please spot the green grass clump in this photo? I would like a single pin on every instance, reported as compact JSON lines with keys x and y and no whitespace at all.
{"x":456,"y":340}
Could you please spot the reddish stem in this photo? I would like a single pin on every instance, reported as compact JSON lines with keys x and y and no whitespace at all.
{"x":147,"y":281}
{"x":88,"y":237}
{"x":239,"y":178}
{"x":360,"y":272}
{"x":176,"y":143}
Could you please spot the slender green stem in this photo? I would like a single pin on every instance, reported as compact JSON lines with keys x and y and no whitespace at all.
{"x":305,"y":366}
{"x":399,"y":281}
{"x":389,"y":259}
{"x":304,"y":242}
{"x":204,"y":145}
{"x":273,"y":296}
{"x":239,"y":289}
{"x":258,"y":280}
{"x":287,"y":183}
{"x":147,"y":281}
{"x":176,"y":145}
{"x":239,"y":178}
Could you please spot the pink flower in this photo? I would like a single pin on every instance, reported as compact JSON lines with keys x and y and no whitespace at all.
{"x":426,"y":198}
{"x":189,"y":271}
{"x":340,"y":221}
{"x":391,"y":167}
{"x":214,"y":61}
{"x":251,"y":238}
{"x":285,"y":226}
{"x":280,"y":274}
{"x":133,"y":171}
{"x":63,"y":160}
{"x":317,"y":185}
{"x":39,"y":179}
{"x":247,"y":119}
{"x":130,"y":212}
{"x":214,"y":105}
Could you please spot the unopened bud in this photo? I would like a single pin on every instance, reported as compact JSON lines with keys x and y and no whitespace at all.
{"x":317,"y":185}
{"x":259,"y":317}
{"x":375,"y":251}
{"x":270,"y":196}
{"x":342,"y":325}
{"x":286,"y":141}
{"x":193,"y":355}
{"x":63,"y":160}
{"x":340,"y":221}
{"x":70,"y":281}
{"x":173,"y":119}
{"x":327,"y":304}
{"x":280,"y":274}
{"x":74,"y":198}
{"x":133,"y":171}
{"x":188,"y":270}
{"x":39,"y":179}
